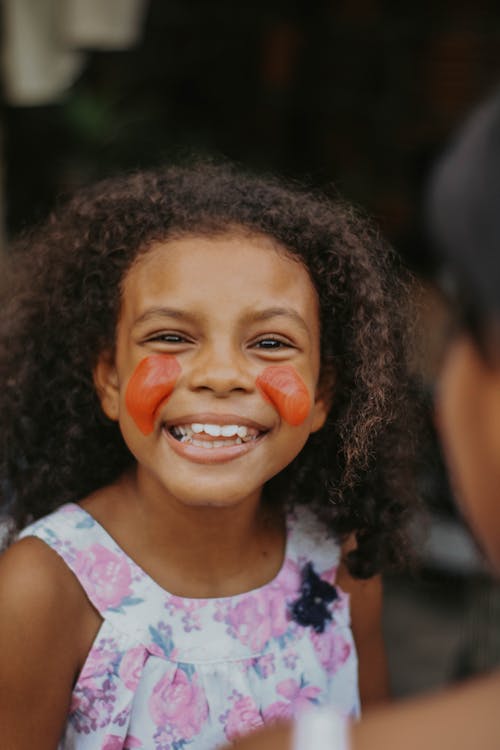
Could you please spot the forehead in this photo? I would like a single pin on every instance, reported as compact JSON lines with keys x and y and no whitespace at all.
{"x":251,"y":270}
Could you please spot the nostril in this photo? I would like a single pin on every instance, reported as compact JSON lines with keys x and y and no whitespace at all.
{"x":222,"y":380}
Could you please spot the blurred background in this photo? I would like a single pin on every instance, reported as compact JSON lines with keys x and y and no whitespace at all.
{"x":360,"y":93}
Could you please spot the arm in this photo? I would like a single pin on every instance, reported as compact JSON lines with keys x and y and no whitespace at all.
{"x":44,"y":626}
{"x":366,"y":622}
{"x":463,"y":718}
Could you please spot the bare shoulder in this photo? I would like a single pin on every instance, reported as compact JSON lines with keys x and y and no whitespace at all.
{"x":46,"y":628}
{"x":38,"y":590}
{"x":366,"y":597}
{"x":30,"y":566}
{"x":365,"y":594}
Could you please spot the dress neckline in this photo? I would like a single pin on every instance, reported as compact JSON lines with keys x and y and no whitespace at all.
{"x":109,"y":541}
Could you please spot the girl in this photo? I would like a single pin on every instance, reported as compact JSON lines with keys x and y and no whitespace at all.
{"x":203,"y":386}
{"x":465,"y":224}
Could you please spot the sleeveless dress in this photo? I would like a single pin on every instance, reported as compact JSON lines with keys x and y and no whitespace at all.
{"x":168,"y":673}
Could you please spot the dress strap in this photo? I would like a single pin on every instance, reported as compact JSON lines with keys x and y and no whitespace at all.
{"x":103,"y":569}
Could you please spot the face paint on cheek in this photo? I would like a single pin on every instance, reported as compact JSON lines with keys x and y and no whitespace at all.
{"x":151,"y":384}
{"x":286,"y":390}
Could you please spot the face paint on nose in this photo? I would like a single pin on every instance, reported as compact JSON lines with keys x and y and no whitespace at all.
{"x":286,"y":390}
{"x":151,"y":384}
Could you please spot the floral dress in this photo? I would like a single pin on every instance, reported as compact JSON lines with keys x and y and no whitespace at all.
{"x":168,"y":673}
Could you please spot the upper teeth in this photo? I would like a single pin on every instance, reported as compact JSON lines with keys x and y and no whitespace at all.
{"x":216,"y":430}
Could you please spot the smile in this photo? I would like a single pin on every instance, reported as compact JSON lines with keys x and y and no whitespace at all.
{"x":213,"y":439}
{"x":210,"y":436}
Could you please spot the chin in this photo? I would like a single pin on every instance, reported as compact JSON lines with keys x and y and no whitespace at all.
{"x":490,"y":550}
{"x":218,"y":497}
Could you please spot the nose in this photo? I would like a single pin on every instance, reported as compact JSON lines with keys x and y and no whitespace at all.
{"x":222,"y":369}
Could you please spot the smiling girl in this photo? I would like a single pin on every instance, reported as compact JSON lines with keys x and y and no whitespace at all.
{"x":203,"y":386}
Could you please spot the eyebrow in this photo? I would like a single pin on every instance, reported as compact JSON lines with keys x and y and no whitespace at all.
{"x":276,"y":312}
{"x":254,"y":316}
{"x":164,"y":312}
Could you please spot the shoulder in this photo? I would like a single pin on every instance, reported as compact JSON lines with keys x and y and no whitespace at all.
{"x":365,"y":594}
{"x":60,"y":525}
{"x":29,"y":563}
{"x":35,"y":580}
{"x":42,"y":601}
{"x":44,"y":629}
{"x":365,"y":602}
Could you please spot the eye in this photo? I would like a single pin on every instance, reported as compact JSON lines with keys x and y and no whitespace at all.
{"x":271,"y":343}
{"x":168,"y":338}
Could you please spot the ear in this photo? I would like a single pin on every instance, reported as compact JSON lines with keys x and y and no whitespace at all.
{"x":106,"y":385}
{"x":324,"y":398}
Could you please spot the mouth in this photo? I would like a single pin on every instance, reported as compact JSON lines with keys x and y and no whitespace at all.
{"x":211,"y":435}
{"x":216,"y":439}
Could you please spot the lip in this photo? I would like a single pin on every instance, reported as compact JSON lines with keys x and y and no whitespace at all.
{"x":211,"y":455}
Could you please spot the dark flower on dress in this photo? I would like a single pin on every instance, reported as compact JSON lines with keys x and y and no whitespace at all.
{"x":315,"y":593}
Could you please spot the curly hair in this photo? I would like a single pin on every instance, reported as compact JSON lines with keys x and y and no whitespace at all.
{"x":61,"y":305}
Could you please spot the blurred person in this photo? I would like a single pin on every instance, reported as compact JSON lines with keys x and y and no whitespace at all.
{"x":464,"y":221}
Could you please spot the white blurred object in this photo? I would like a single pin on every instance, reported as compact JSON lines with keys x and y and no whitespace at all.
{"x":321,"y":728}
{"x":103,"y":24}
{"x":43,"y":42}
{"x":37,"y":66}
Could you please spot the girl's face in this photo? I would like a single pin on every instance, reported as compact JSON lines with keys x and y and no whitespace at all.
{"x":468,"y":415}
{"x":202,"y":321}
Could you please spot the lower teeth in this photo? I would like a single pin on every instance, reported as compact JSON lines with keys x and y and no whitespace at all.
{"x":210,"y":443}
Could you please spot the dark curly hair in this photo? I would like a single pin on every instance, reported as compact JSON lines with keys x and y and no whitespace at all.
{"x":61,"y":302}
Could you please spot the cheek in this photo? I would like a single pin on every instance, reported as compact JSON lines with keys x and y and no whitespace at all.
{"x":463,"y":411}
{"x":286,"y":390}
{"x":151,"y":384}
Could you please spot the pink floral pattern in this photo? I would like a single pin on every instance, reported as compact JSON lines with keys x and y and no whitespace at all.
{"x":297,"y":697}
{"x":180,"y":704}
{"x":333,"y":650}
{"x":115,"y":742}
{"x":243,"y":717}
{"x":131,"y":666}
{"x":104,"y":575}
{"x":259,"y":616}
{"x":167,"y":673}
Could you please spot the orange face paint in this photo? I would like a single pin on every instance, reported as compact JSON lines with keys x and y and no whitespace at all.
{"x":286,"y":390}
{"x":151,"y":384}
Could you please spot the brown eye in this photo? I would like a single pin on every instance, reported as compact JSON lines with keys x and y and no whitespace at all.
{"x":270,"y":344}
{"x":168,"y":338}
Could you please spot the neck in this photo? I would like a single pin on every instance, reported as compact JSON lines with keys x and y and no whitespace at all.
{"x":196,"y":551}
